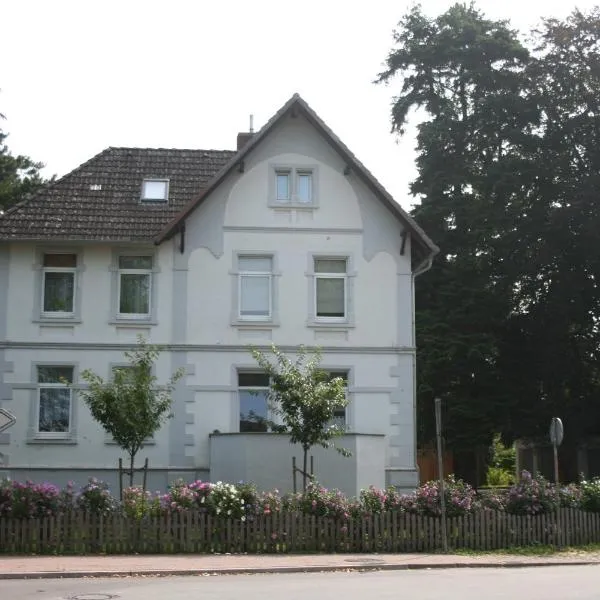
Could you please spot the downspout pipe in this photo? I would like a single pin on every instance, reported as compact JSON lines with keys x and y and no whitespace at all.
{"x":421,"y":268}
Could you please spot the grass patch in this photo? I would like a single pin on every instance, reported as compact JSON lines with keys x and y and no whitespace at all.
{"x":536,"y":550}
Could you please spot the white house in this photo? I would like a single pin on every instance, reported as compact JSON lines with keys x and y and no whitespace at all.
{"x":288,"y":240}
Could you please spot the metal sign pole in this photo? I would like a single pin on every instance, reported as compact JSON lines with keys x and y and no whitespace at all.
{"x":438,"y":431}
{"x":557,"y":433}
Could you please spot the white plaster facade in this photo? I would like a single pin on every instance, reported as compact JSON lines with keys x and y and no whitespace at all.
{"x":195,"y":316}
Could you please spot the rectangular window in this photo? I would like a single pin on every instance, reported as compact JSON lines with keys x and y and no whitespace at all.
{"x":294,"y":185}
{"x":58,"y":285}
{"x":255,"y":287}
{"x":339,"y":414}
{"x":330,"y":288}
{"x":253,"y":389}
{"x":304,"y":187}
{"x":283,"y":186}
{"x":155,"y":190}
{"x":54,"y":401}
{"x":135,"y":285}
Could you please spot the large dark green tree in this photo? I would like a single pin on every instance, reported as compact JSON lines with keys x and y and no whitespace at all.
{"x":508,"y":178}
{"x":554,"y":327}
{"x":19,"y":175}
{"x":464,"y":72}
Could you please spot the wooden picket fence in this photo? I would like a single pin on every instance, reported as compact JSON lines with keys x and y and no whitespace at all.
{"x":80,"y":533}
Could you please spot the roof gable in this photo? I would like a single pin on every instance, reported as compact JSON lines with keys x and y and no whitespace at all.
{"x":421,"y":242}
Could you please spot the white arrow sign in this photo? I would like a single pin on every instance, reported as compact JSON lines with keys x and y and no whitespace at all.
{"x":6,"y":420}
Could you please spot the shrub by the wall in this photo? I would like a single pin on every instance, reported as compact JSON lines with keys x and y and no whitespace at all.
{"x":590,"y":495}
{"x":95,"y":497}
{"x":321,"y":502}
{"x":532,"y":496}
{"x":459,"y":497}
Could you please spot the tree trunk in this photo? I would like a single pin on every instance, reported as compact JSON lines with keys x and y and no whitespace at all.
{"x":131,"y":462}
{"x":304,"y":469}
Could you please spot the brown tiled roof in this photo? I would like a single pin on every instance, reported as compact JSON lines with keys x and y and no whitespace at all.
{"x":72,"y":209}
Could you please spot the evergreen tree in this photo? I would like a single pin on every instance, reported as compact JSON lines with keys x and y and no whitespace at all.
{"x":19,"y":175}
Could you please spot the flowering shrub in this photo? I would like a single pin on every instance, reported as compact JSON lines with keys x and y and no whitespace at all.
{"x":248,"y":493}
{"x":202,"y":491}
{"x":570,"y":496}
{"x":267,"y":503}
{"x":492,"y":500}
{"x":29,"y":500}
{"x":95,"y":497}
{"x":590,"y":495}
{"x":5,"y":497}
{"x":374,"y":500}
{"x":532,"y":496}
{"x":321,"y":502}
{"x":226,"y":500}
{"x":137,"y":503}
{"x":459,"y":497}
{"x":181,"y":496}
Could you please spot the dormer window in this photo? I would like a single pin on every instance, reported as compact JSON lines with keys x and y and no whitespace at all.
{"x":155,"y":190}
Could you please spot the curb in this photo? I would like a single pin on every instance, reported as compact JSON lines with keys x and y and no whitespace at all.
{"x":281,"y":570}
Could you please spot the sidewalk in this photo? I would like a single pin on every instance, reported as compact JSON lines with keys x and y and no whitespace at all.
{"x":48,"y":567}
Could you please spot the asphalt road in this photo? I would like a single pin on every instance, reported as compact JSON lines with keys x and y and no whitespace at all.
{"x":536,"y":583}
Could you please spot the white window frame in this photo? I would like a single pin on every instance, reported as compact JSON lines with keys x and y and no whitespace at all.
{"x":54,"y":435}
{"x":343,"y":276}
{"x":253,"y":388}
{"x":297,"y":174}
{"x":242,"y":274}
{"x":148,"y":272}
{"x":293,"y":173}
{"x":53,"y":313}
{"x":145,"y":200}
{"x":287,"y":173}
{"x":338,"y":372}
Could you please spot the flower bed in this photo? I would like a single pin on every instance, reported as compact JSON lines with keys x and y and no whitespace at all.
{"x":221,"y":517}
{"x":529,"y":496}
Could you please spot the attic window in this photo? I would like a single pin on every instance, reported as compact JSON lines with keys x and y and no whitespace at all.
{"x":155,"y":190}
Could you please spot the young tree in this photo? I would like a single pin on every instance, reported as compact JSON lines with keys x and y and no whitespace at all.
{"x":131,"y":407}
{"x":306,"y":398}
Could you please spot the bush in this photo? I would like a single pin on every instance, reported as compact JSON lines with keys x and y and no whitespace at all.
{"x":5,"y":497}
{"x":95,"y":497}
{"x":532,"y":496}
{"x":496,"y":476}
{"x":225,"y":500}
{"x":266,"y":503}
{"x":590,"y":495}
{"x":138,"y":503}
{"x":248,"y":493}
{"x":492,"y":500}
{"x":570,"y":496}
{"x":321,"y":502}
{"x":459,"y":497}
{"x":181,"y":496}
{"x":30,"y":500}
{"x":376,"y":501}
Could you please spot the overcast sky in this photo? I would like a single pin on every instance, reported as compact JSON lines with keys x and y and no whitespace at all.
{"x":78,"y":76}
